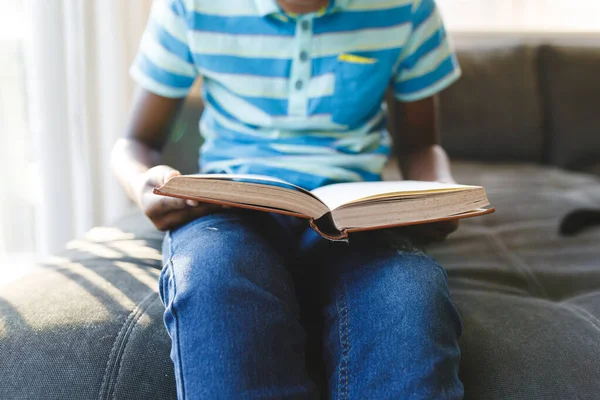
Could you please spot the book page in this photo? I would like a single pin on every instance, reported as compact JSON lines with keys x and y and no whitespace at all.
{"x":340,"y":194}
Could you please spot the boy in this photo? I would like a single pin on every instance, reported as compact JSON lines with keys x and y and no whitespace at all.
{"x":294,"y":89}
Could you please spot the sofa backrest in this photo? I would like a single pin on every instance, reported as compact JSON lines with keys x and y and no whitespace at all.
{"x":494,"y":113}
{"x":184,"y":143}
{"x":570,"y":86}
{"x":534,"y":104}
{"x":539,"y":104}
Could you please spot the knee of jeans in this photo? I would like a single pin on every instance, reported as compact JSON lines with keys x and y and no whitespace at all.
{"x":423,"y":277}
{"x":425,"y":292}
{"x":413,"y":282}
{"x":421,"y":272}
{"x":221,"y":259}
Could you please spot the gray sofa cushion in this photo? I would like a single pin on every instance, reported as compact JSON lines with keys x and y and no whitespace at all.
{"x":571,"y":93}
{"x":89,"y":323}
{"x":493,"y":112}
{"x":529,"y":298}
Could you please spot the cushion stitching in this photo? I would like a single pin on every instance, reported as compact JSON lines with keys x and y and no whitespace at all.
{"x":114,"y":355}
{"x":111,"y":356}
{"x":583,"y":314}
{"x":126,"y":341}
{"x":518,"y":264}
{"x":581,"y":295}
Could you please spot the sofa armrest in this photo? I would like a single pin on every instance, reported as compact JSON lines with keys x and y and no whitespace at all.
{"x":88,"y":323}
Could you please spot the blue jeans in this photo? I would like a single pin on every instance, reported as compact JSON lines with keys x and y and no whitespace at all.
{"x":260,"y":307}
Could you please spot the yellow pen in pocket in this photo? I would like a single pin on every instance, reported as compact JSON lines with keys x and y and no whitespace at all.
{"x":351,"y":58}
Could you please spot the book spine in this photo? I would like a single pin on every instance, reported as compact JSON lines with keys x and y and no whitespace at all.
{"x":325,"y":226}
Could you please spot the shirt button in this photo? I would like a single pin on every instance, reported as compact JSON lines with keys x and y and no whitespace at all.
{"x":299,"y":84}
{"x":303,"y":56}
{"x":305,"y":25}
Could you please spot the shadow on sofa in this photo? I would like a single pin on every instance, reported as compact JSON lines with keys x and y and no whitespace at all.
{"x":80,"y":322}
{"x":88,"y":323}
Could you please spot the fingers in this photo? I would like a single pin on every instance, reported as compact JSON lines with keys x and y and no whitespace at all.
{"x":171,"y":203}
{"x":165,"y":212}
{"x":155,"y":207}
{"x":169,"y":175}
{"x":446,"y":227}
{"x":434,"y":235}
{"x":433,"y":232}
{"x":425,"y":234}
{"x":161,"y":174}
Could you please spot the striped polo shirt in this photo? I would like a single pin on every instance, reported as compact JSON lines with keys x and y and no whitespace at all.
{"x":298,"y":97}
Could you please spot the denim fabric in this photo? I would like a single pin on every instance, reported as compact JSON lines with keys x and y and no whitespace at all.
{"x":252,"y":299}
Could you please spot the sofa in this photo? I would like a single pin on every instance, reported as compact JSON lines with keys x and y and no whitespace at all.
{"x":523,"y":121}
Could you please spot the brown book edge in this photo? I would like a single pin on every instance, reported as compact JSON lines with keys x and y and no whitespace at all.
{"x":469,"y":214}
{"x":344,"y":233}
{"x":227,"y":203}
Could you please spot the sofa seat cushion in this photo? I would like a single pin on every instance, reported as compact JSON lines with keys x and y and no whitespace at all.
{"x":529,"y":298}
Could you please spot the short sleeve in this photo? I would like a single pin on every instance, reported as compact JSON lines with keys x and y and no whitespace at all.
{"x":428,"y":63}
{"x":164,"y":63}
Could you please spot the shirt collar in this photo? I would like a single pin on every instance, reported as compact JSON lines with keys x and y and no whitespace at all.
{"x":340,"y":4}
{"x":267,"y":7}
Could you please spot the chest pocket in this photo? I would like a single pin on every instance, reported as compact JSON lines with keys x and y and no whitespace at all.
{"x":360,"y":84}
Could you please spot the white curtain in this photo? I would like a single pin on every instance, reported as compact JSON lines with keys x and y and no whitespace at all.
{"x":572,"y":16}
{"x":79,"y":95}
{"x":16,"y":214}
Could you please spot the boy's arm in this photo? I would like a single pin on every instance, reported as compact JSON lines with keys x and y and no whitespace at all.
{"x":147,"y":131}
{"x":416,"y":136}
{"x":136,"y":161}
{"x":418,"y":141}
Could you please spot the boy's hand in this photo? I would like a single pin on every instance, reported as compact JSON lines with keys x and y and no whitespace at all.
{"x":432,"y":232}
{"x":167,"y":213}
{"x":136,"y":157}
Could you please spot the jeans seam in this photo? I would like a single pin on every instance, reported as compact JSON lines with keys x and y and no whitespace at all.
{"x":172,"y":307}
{"x":343,"y":373}
{"x":161,"y":285}
{"x":439,"y":267}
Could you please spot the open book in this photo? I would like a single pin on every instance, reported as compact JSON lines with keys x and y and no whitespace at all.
{"x":338,"y":209}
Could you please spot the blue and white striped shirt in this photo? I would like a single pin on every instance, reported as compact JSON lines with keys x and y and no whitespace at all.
{"x":298,"y":97}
